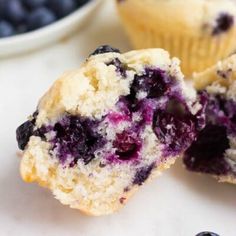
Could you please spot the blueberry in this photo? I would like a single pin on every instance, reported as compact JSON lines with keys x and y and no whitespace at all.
{"x":121,"y":68}
{"x":40,"y":18}
{"x":6,"y":29}
{"x":62,"y":7}
{"x":23,"y":134}
{"x":223,"y":23}
{"x":32,"y":4}
{"x":142,"y":174}
{"x":207,"y":234}
{"x":153,"y":82}
{"x":75,"y":137}
{"x":14,"y":11}
{"x":81,"y":2}
{"x":104,"y":49}
{"x":127,"y":147}
{"x":176,"y":133}
{"x":206,"y":154}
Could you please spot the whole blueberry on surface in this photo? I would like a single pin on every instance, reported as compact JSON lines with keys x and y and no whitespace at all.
{"x":104,"y":49}
{"x":62,"y":7}
{"x":40,"y":17}
{"x":23,"y":134}
{"x":6,"y":29}
{"x":32,"y":4}
{"x":14,"y":11}
{"x":207,"y":234}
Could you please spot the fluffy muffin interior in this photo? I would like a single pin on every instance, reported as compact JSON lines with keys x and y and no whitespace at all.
{"x":103,"y":130}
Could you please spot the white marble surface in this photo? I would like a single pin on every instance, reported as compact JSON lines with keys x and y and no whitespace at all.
{"x":177,"y":204}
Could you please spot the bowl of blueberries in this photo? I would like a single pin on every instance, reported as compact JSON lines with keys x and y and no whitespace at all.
{"x":26,"y":25}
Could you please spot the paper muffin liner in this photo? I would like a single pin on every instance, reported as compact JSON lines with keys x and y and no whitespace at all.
{"x":196,"y":53}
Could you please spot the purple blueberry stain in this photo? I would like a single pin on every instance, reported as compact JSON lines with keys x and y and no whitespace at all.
{"x":142,"y":174}
{"x":127,"y":146}
{"x":206,"y":153}
{"x":74,"y":138}
{"x":222,"y":111}
{"x":146,"y":109}
{"x":174,"y":132}
{"x":161,"y":107}
{"x":123,"y":105}
{"x":115,"y":118}
{"x":224,"y":23}
{"x":153,"y":82}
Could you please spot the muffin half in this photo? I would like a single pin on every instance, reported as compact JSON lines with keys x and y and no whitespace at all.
{"x":103,"y":130}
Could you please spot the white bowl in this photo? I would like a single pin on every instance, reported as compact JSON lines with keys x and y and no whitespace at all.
{"x":49,"y":34}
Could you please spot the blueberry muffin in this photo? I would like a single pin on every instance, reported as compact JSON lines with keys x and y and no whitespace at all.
{"x":214,"y":151}
{"x":103,"y":130}
{"x":199,"y":32}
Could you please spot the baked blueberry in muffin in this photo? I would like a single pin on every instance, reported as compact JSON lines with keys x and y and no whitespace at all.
{"x":103,"y":130}
{"x":22,"y":16}
{"x":223,"y":23}
{"x":214,"y":151}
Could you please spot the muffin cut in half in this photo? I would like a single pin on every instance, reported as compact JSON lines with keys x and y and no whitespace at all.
{"x":198,"y":32}
{"x":103,"y":130}
{"x":214,"y":151}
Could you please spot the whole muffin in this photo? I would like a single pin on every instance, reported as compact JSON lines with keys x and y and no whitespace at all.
{"x":214,"y":150}
{"x":199,"y":32}
{"x":106,"y":128}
